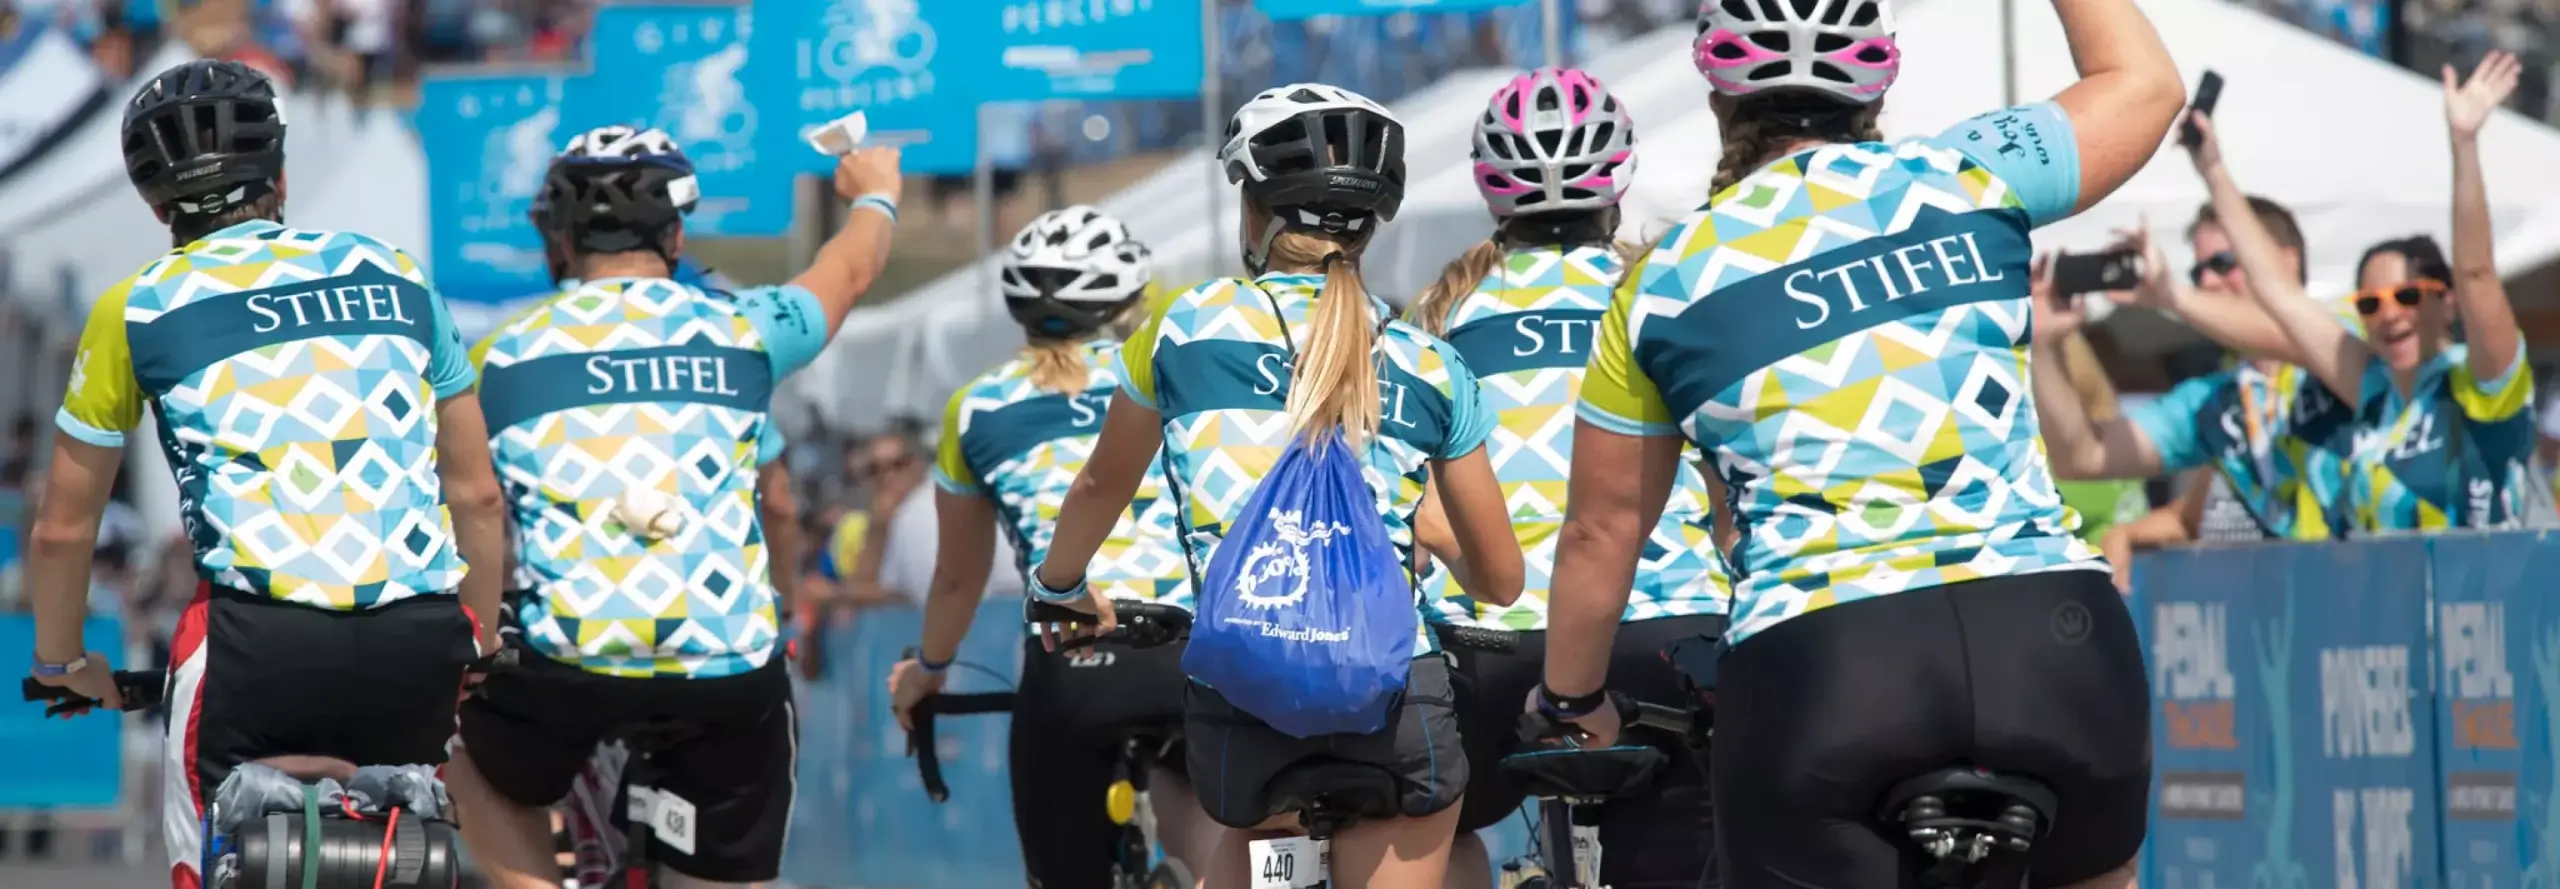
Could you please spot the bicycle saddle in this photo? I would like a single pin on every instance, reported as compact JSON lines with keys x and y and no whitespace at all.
{"x":1578,"y":774}
{"x":1361,"y":791}
{"x":1964,"y":811}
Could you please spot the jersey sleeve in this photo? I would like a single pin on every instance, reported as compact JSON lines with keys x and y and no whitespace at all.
{"x":1138,"y":354}
{"x":769,"y":444}
{"x":1616,"y":394}
{"x":2492,"y":400}
{"x":951,"y":467}
{"x":1469,"y":420}
{"x":104,"y":400}
{"x":2032,"y":148}
{"x":450,"y":369}
{"x":2170,"y":421}
{"x":792,"y":323}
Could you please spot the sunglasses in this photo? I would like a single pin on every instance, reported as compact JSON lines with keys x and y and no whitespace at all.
{"x":2407,"y":295}
{"x":869,"y":469}
{"x":2218,"y":264}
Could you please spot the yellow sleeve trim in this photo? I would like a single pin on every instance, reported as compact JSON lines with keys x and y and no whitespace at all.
{"x":1616,"y":394}
{"x":103,"y":400}
{"x":950,"y":466}
{"x":2489,"y":401}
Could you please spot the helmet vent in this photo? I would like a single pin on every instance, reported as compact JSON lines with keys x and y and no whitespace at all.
{"x":1828,"y":43}
{"x":1775,"y":41}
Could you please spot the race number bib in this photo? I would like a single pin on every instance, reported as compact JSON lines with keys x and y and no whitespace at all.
{"x":1288,"y":863}
{"x":1586,"y":854}
{"x":670,"y":817}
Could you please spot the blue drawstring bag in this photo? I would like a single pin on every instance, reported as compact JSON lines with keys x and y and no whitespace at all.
{"x":1306,"y":617}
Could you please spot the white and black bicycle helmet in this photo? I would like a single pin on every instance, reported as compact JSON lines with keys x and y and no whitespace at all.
{"x":1072,"y":271}
{"x":616,"y":189}
{"x":1839,"y":49}
{"x":1316,"y":157}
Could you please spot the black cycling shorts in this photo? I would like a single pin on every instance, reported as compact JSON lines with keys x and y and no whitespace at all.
{"x":1493,"y":691}
{"x":255,"y":677}
{"x":1820,"y":716}
{"x":531,"y":730}
{"x":1233,"y":756}
{"x":1070,"y":714}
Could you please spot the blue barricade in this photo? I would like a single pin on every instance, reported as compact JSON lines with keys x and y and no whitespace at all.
{"x":54,"y":764}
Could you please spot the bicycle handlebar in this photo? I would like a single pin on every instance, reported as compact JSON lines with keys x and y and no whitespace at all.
{"x":1142,"y":624}
{"x":920,"y":741}
{"x":139,"y":689}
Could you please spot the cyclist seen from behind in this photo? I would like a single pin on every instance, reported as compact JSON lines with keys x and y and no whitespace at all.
{"x":1012,"y":442}
{"x":628,"y":418}
{"x":1221,"y":379}
{"x":1554,"y":155}
{"x":314,"y":403}
{"x":1845,"y":329}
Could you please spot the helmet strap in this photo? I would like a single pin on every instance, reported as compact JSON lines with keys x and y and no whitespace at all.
{"x":1257,"y":259}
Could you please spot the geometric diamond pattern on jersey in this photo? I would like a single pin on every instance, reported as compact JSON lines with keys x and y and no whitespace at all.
{"x":1038,"y":453}
{"x":1526,"y":331}
{"x":699,"y":603}
{"x":305,"y":467}
{"x":1218,"y":455}
{"x":1896,"y":448}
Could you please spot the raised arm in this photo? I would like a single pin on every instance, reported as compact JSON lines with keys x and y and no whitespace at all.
{"x":2078,"y":447}
{"x":2237,"y":324}
{"x":849,"y":263}
{"x":2488,"y":319}
{"x":2321,"y":344}
{"x":2127,"y":96}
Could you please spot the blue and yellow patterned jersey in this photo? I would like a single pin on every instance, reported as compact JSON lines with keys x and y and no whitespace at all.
{"x":294,"y":377}
{"x":2291,"y":474}
{"x":1526,"y":332}
{"x":1214,"y":360}
{"x":1846,"y":331}
{"x":1008,"y":440}
{"x":628,"y":384}
{"x":2455,"y":453}
{"x":768,"y":449}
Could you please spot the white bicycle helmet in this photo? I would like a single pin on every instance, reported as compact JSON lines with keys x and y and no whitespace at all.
{"x":1071,"y":271}
{"x":1316,"y":157}
{"x":1554,"y":140}
{"x":1843,"y":49}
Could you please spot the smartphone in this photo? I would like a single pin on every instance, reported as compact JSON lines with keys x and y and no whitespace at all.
{"x":2078,"y":273}
{"x":2208,"y":92}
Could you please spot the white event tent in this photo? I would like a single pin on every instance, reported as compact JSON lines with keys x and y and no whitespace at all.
{"x":2355,"y":146}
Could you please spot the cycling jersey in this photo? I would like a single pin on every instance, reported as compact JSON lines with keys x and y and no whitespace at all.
{"x":2290,"y":475}
{"x":1847,"y":329}
{"x":1215,"y":361}
{"x":768,"y":448}
{"x":2456,"y":453}
{"x":1526,"y":332}
{"x":293,"y":375}
{"x":1008,"y":440}
{"x":644,"y":384}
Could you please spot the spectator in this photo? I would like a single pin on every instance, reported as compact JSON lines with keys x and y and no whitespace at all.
{"x":908,"y":550}
{"x":894,"y":464}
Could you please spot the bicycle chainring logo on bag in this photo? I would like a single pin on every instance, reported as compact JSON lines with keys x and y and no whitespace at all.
{"x":1274,"y":574}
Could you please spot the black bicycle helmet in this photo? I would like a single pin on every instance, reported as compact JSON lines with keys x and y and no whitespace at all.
{"x":1072,"y":271}
{"x":203,"y":137}
{"x":1317,"y":156}
{"x":617,"y":189}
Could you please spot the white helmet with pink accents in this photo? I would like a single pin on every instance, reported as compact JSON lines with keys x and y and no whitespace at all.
{"x":1840,"y":48}
{"x":1554,"y":140}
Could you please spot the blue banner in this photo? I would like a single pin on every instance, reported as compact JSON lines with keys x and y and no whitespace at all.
{"x":897,"y":61}
{"x":1109,"y":49}
{"x":488,"y":139}
{"x":46,"y":763}
{"x":1281,"y":10}
{"x":2210,"y":774}
{"x":2487,"y":615}
{"x":680,"y":68}
{"x":2362,"y":750}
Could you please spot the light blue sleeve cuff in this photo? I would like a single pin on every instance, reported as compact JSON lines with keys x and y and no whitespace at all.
{"x":86,"y":433}
{"x":2514,"y":365}
{"x":1131,"y":389}
{"x":1621,"y":425}
{"x":944,"y":481}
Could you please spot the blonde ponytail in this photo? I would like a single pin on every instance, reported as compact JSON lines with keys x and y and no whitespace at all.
{"x":1335,"y":383}
{"x":1458,"y":279}
{"x":1752,"y":141}
{"x":1057,"y":366}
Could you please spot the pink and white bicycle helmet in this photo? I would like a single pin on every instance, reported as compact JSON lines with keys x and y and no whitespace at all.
{"x":1551,"y":140}
{"x":1839,"y":48}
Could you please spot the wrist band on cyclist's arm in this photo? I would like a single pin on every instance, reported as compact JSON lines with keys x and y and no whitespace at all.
{"x":1575,"y":707}
{"x":1040,"y":590}
{"x":887,"y":206}
{"x":929,"y":666}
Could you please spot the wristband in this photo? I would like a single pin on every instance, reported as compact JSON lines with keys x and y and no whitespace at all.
{"x":1575,"y":707}
{"x":1040,"y":590}
{"x":65,"y":668}
{"x":880,"y":202}
{"x":927,"y":664}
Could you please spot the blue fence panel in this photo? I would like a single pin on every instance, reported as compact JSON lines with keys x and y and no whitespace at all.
{"x":2484,"y":618}
{"x":681,"y":68}
{"x":895,"y":61}
{"x":2210,"y":774}
{"x":59,"y":763}
{"x":488,"y":139}
{"x":2360,"y":745}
